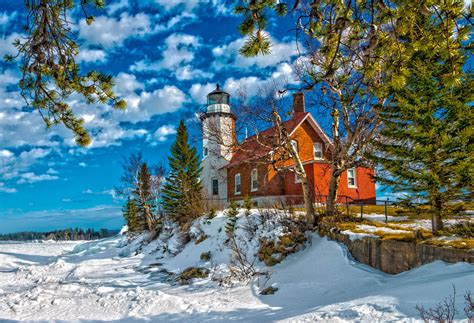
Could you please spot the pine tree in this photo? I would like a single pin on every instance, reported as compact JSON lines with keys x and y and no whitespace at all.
{"x":132,"y":216}
{"x":182,"y":192}
{"x":428,"y":134}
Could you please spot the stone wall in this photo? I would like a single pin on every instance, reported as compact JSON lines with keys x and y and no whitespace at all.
{"x":394,"y":257}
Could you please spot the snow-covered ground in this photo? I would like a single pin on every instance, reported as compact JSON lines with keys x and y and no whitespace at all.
{"x":107,"y":280}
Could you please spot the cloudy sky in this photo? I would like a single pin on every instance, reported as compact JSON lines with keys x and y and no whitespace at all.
{"x":166,"y":55}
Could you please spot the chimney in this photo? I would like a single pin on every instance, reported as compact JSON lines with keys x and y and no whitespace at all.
{"x":298,"y":102}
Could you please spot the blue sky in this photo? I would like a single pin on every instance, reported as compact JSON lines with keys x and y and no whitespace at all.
{"x":166,"y":55}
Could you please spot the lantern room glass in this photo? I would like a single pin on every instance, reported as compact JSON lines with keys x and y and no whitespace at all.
{"x":218,"y":97}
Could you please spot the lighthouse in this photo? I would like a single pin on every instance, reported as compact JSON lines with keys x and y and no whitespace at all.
{"x":218,"y":140}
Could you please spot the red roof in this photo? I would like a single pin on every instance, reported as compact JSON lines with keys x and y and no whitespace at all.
{"x":254,"y":147}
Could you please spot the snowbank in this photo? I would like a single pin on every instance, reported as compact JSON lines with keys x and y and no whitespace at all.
{"x":117,"y":279}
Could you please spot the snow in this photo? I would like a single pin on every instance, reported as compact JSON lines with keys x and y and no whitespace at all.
{"x":373,"y":229}
{"x":381,"y":217}
{"x":117,"y":279}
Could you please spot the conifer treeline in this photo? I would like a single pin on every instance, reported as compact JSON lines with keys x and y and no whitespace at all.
{"x":59,"y":235}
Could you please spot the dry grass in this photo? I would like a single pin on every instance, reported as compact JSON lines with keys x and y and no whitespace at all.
{"x":420,"y":235}
{"x":456,"y":244}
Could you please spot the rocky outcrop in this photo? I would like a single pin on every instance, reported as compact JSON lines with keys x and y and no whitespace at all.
{"x":393,"y":257}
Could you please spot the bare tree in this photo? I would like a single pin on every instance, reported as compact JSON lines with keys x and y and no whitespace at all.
{"x":346,"y":50}
{"x":138,"y":181}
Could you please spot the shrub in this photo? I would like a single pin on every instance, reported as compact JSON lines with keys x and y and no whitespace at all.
{"x":270,"y":290}
{"x":461,"y":229}
{"x":206,"y":256}
{"x":191,"y":273}
{"x":201,"y":238}
{"x":247,"y":205}
{"x":212,"y":213}
{"x":273,"y":252}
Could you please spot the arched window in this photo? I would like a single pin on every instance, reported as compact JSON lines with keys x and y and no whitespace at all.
{"x":237,"y":183}
{"x":254,"y":180}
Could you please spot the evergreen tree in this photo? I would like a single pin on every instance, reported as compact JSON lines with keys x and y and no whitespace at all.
{"x":427,"y":139}
{"x":49,"y":65}
{"x":182,"y":192}
{"x":131,"y":213}
{"x":145,"y":196}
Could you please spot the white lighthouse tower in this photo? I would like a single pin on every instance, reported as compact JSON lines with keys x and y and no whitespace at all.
{"x":218,"y":141}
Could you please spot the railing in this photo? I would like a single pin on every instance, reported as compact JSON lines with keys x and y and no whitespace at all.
{"x":320,"y":202}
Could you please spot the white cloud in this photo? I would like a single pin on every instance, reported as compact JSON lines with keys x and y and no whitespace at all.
{"x":199,"y":91}
{"x":148,"y":104}
{"x":110,"y":32}
{"x":167,"y":99}
{"x":82,"y":164}
{"x":5,"y":189}
{"x":162,"y":133}
{"x":5,"y":153}
{"x":227,"y":56}
{"x":92,"y":56}
{"x":179,"y":49}
{"x":6,"y":44}
{"x":116,"y":6}
{"x":126,"y":83}
{"x":33,"y":178}
{"x":12,"y":166}
{"x":51,"y":171}
{"x":6,"y":17}
{"x":187,"y":72}
{"x":218,"y":6}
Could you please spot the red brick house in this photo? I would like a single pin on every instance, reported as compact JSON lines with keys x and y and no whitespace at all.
{"x":244,"y":172}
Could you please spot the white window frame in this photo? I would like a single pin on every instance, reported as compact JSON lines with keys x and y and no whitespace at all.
{"x":253,"y":178}
{"x":212,"y":186}
{"x":294,"y":143}
{"x":320,"y":145}
{"x":354,"y":176}
{"x":237,"y":192}
{"x":297,"y":178}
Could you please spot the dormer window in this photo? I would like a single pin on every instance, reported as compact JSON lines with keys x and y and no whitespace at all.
{"x":318,"y":151}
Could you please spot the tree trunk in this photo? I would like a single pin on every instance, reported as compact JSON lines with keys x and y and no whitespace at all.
{"x":308,"y":202}
{"x":436,"y":217}
{"x":331,"y":200}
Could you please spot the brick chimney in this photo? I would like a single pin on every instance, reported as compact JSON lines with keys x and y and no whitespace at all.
{"x":298,"y":102}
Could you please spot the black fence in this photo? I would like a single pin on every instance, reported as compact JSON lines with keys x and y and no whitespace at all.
{"x":285,"y":201}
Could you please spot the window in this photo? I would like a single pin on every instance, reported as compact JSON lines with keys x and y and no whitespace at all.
{"x":351,"y":178}
{"x":294,"y":143}
{"x":215,"y":186}
{"x":206,"y":151}
{"x":297,"y":178}
{"x":318,"y":150}
{"x":237,"y":184}
{"x":254,"y":180}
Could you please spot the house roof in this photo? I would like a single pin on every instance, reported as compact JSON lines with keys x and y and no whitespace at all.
{"x":254,"y":147}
